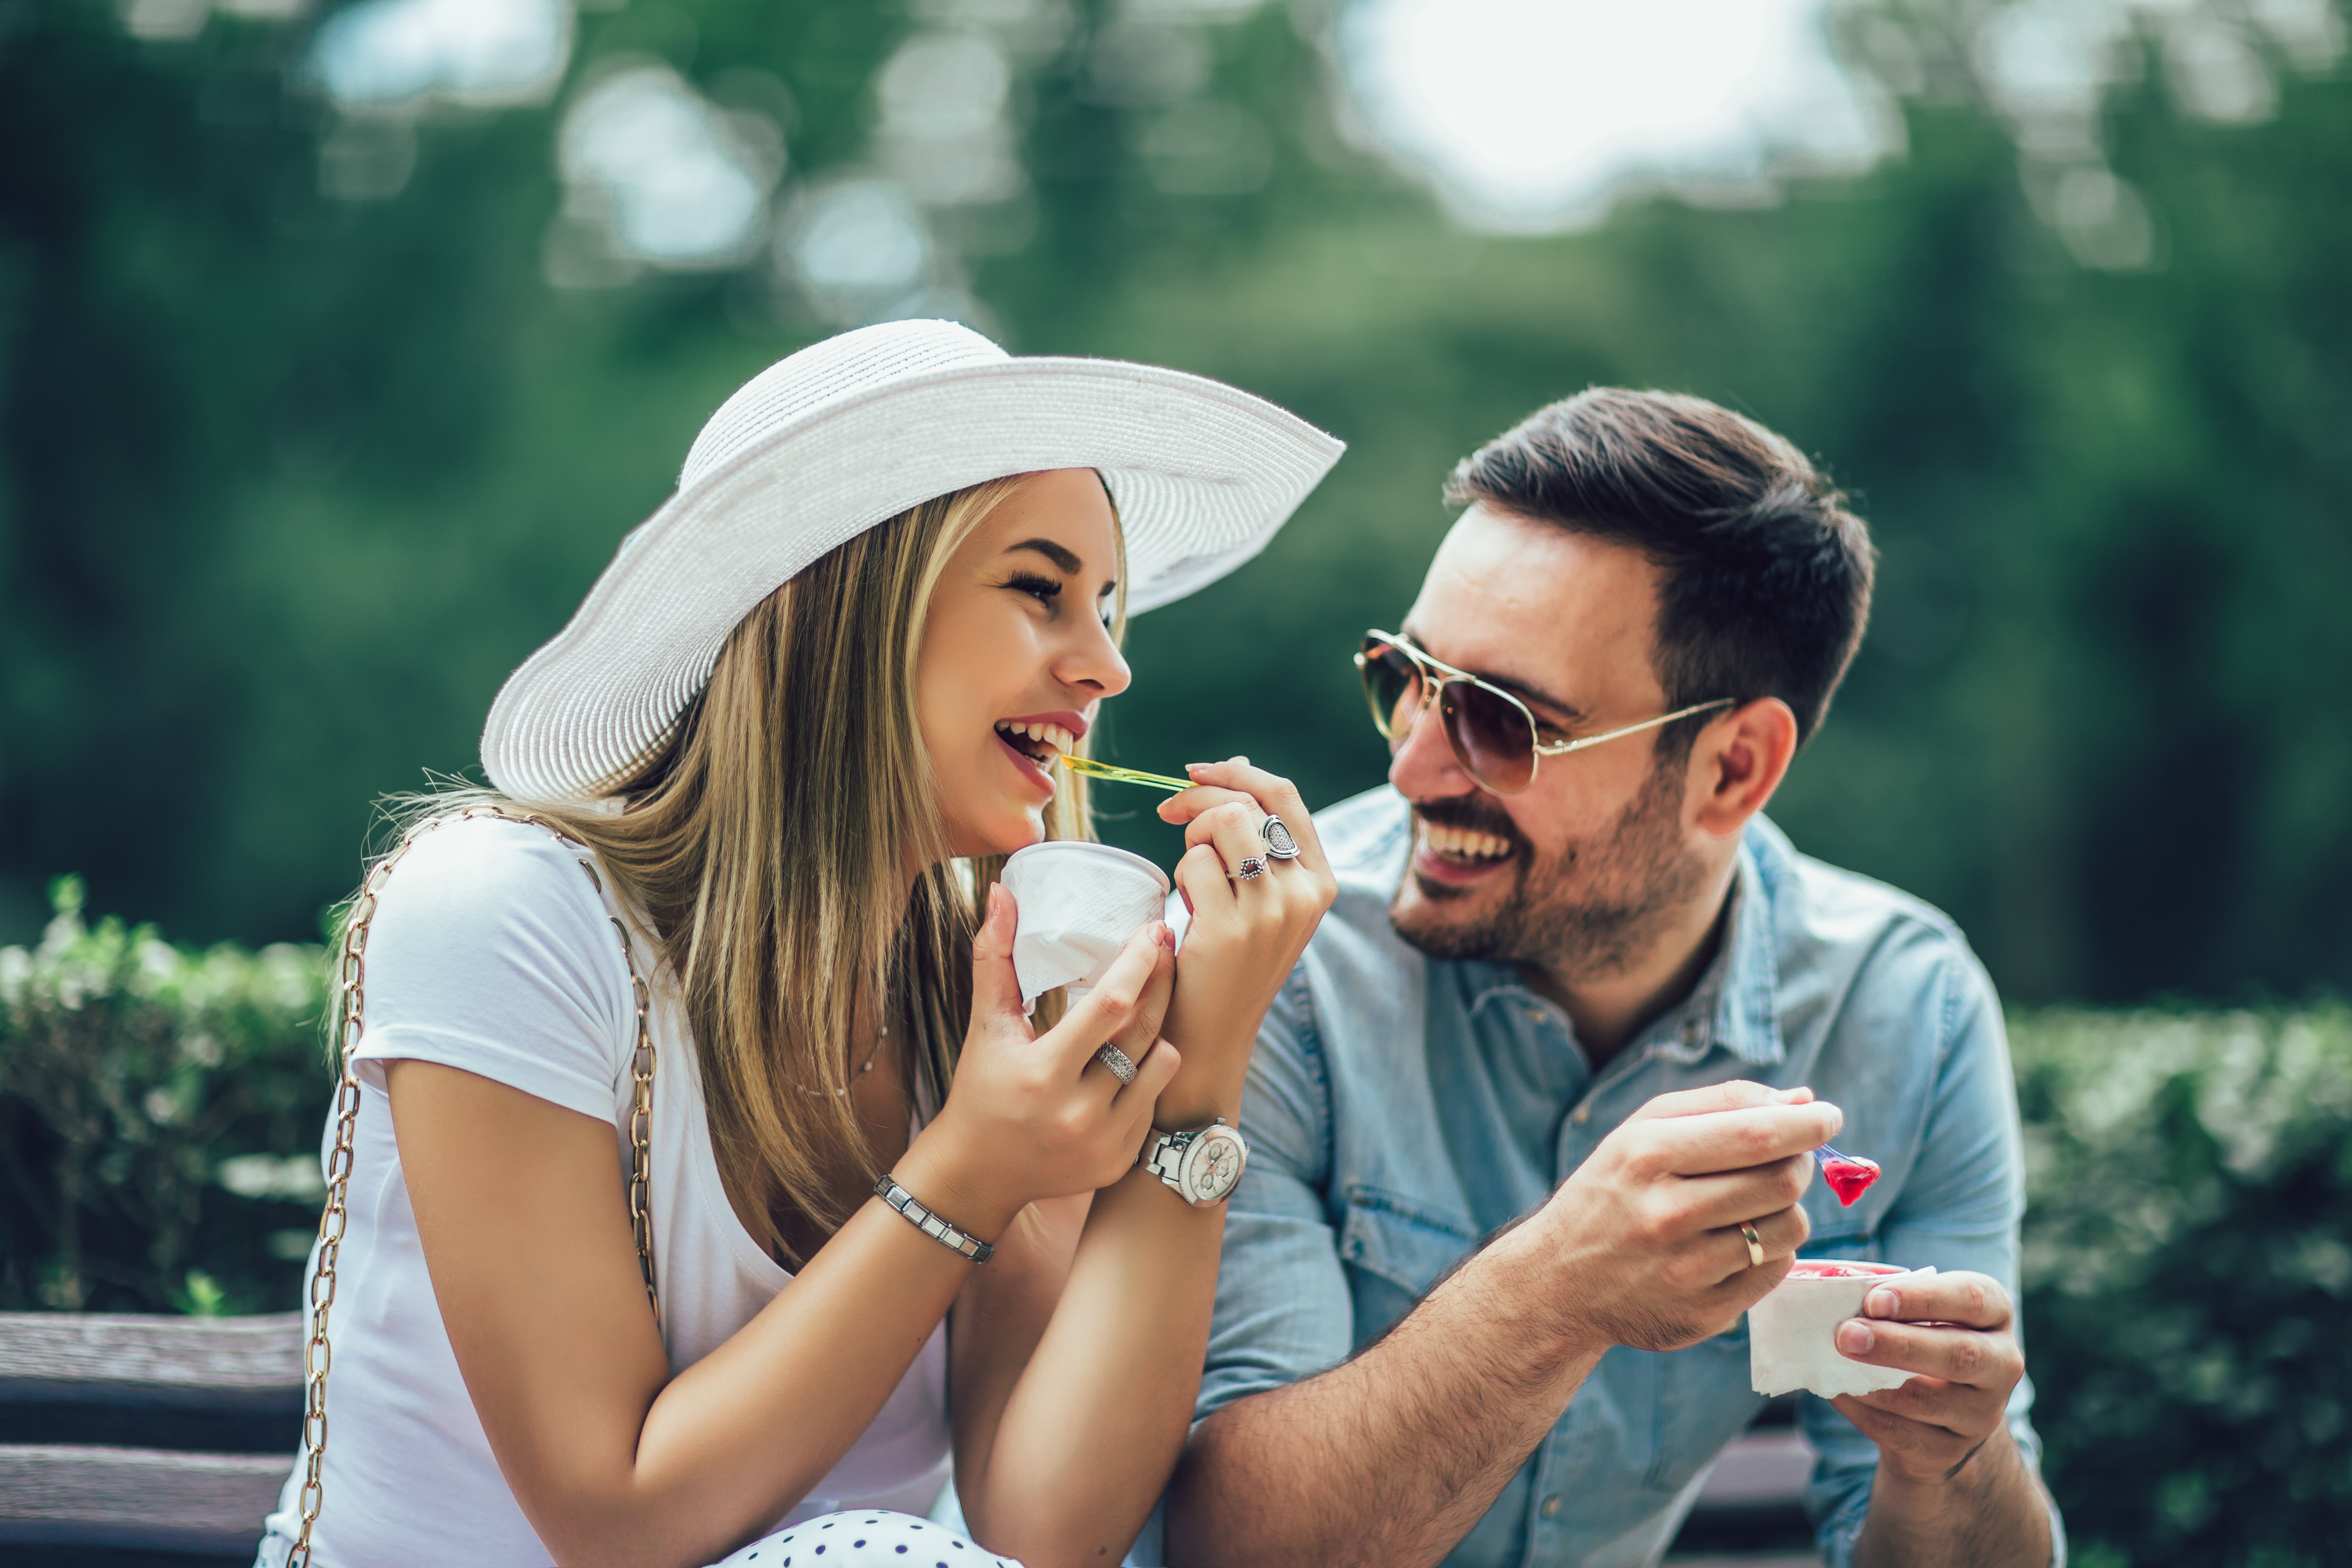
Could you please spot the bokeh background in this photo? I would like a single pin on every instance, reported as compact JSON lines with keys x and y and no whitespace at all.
{"x":339,"y":348}
{"x":341,"y":344}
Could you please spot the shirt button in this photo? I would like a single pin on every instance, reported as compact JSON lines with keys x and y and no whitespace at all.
{"x":1551,"y":1507}
{"x":1580,"y":1115}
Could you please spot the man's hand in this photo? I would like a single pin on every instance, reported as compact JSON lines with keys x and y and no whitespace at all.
{"x":1956,"y":1332}
{"x":1646,"y":1233}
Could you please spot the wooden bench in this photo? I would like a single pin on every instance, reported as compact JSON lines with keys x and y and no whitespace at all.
{"x":152,"y":1442}
{"x":143,"y":1439}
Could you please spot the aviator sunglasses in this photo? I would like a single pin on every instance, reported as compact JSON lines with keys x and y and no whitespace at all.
{"x":1493,"y":733}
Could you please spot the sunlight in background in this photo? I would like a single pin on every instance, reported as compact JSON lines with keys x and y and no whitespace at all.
{"x":482,"y":54}
{"x":1532,"y":113}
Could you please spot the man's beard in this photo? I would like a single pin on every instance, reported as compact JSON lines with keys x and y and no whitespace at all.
{"x":1589,"y":910}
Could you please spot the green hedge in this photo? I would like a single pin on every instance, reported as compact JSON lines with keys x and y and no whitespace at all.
{"x":2186,"y":1268}
{"x":159,"y":1111}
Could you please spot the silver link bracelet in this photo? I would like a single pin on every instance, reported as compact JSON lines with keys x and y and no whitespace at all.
{"x":964,"y":1243}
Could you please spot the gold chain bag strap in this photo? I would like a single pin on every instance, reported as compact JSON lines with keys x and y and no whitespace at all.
{"x":351,"y":985}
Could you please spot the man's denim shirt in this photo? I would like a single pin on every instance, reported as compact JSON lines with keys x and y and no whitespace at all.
{"x":1399,"y":1108}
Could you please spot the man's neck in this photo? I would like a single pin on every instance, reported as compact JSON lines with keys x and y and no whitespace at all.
{"x":1609,"y":1009}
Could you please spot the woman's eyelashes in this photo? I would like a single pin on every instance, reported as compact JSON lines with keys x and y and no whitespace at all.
{"x":1045,"y":590}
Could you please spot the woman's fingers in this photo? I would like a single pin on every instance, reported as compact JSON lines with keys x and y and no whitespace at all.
{"x":1134,"y":1103}
{"x":1116,"y":999}
{"x":1231,"y":829}
{"x":1208,"y":888}
{"x":1182,"y":809}
{"x":995,"y":989}
{"x":1274,"y":795}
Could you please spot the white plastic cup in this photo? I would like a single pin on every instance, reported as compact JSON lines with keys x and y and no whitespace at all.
{"x":1792,"y":1332}
{"x":1079,"y":903}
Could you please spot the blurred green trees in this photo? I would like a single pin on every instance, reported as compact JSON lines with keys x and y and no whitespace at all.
{"x":289,"y":479}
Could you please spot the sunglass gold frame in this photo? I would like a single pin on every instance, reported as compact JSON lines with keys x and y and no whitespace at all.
{"x":1425,"y":663}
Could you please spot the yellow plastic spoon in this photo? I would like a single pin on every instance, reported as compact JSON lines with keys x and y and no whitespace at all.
{"x":1094,"y":768}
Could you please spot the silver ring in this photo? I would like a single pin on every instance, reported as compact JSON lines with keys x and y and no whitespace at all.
{"x":1250,"y":869}
{"x":1116,"y":1059}
{"x":1279,"y":844}
{"x":1755,"y":1246}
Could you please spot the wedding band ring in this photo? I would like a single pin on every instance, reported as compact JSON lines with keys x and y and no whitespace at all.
{"x":1250,"y":869}
{"x":1121,"y":1067}
{"x":1755,"y":1246}
{"x":1279,"y":844}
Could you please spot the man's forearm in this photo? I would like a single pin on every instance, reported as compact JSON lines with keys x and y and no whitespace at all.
{"x":1992,"y":1514}
{"x":1388,"y":1461}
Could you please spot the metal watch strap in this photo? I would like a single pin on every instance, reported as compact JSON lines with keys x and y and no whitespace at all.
{"x":947,"y":1235}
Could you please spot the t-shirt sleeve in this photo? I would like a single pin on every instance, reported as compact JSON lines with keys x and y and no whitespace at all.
{"x":491,"y":950}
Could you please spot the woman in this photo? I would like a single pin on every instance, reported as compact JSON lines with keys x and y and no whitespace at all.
{"x":724,"y":950}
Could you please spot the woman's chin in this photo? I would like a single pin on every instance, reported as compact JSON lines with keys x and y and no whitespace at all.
{"x":1002,"y":832}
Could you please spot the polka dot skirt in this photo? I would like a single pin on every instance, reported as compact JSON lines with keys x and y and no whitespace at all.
{"x":875,"y":1538}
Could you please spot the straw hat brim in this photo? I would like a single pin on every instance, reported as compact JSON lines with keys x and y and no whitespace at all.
{"x":1203,"y":474}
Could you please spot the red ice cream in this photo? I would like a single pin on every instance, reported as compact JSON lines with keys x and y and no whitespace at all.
{"x":1849,"y":1176}
{"x":1809,"y":1268}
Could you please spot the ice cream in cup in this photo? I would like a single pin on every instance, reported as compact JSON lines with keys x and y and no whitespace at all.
{"x":1792,"y":1332}
{"x":1079,"y":903}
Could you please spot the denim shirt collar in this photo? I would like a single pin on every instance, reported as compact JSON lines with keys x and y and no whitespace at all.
{"x":1734,"y":1006}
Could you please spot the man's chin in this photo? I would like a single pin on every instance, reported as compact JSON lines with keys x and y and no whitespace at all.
{"x":1443,"y":920}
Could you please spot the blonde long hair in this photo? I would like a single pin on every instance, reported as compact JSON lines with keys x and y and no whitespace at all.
{"x":769,"y":838}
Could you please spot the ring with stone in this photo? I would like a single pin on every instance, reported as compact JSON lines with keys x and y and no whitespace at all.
{"x":1250,"y":869}
{"x":1279,"y":844}
{"x":1116,"y":1059}
{"x":1755,"y":1246}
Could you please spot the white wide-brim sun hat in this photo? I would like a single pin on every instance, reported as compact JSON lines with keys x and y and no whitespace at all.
{"x":845,"y":435}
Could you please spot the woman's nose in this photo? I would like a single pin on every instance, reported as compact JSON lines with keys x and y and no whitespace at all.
{"x":1095,"y":665}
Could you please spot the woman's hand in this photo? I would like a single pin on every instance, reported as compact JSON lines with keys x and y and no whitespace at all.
{"x":1245,"y":935}
{"x":1037,"y":1116}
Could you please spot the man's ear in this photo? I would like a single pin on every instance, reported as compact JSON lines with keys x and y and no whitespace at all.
{"x":1738,"y":761}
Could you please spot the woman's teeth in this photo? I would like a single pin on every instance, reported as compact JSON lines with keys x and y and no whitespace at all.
{"x":1462,"y":844}
{"x":1052,"y":737}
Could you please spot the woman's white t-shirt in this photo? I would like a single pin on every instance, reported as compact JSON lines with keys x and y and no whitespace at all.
{"x":493,"y":950}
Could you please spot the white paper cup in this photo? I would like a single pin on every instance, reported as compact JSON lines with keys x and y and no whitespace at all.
{"x":1078,"y":905}
{"x":1792,"y":1332}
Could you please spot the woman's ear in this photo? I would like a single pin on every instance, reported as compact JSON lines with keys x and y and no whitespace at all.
{"x":1738,"y":761}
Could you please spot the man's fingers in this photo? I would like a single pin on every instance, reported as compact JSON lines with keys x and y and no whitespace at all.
{"x":1732,"y":1140}
{"x":1733,"y":1094}
{"x":1711,"y":1203}
{"x":1972,"y":1301}
{"x":1778,"y":1236}
{"x":1956,"y":1355}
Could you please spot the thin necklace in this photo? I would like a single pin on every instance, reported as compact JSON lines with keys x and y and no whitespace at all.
{"x":880,"y":1035}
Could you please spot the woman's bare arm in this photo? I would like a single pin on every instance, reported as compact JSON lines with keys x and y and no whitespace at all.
{"x":1092,"y":1425}
{"x":524,"y":1226}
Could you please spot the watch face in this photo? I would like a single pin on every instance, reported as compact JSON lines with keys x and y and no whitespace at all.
{"x":1211,"y":1165}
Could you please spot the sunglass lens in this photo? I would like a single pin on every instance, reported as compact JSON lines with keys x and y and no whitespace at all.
{"x":1490,"y":734}
{"x":1391,"y":687}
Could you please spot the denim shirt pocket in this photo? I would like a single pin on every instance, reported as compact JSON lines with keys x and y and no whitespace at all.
{"x":1395,"y":1250}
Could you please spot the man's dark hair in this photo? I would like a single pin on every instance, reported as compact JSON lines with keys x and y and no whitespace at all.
{"x":1764,"y":575}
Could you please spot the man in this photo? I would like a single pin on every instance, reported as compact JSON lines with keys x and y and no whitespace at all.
{"x":1571,"y":1000}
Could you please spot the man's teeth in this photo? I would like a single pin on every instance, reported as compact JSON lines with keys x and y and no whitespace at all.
{"x":1053,"y":735}
{"x":1463,"y":844}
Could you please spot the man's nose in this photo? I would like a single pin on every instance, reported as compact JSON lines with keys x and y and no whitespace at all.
{"x":1422,"y":765}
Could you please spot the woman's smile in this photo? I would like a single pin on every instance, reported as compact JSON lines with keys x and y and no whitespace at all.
{"x":1034,"y":739}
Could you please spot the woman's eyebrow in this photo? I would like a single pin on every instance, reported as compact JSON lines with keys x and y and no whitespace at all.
{"x":1052,"y":551}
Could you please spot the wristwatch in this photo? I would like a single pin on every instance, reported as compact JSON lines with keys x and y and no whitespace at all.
{"x":1200,"y":1165}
